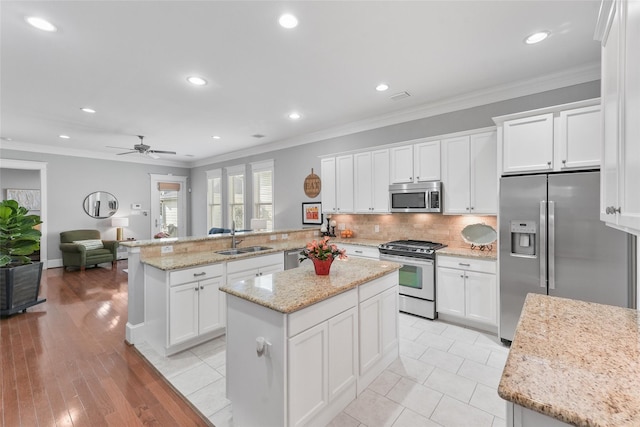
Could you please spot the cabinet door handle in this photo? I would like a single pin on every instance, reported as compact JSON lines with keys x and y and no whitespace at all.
{"x":549,"y":164}
{"x":462,"y":276}
{"x":564,"y":163}
{"x":464,"y":265}
{"x":199,"y":274}
{"x":471,"y":207}
{"x":201,"y":287}
{"x":196,"y":289}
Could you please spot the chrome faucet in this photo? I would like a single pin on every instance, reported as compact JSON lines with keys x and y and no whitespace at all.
{"x":234,"y":241}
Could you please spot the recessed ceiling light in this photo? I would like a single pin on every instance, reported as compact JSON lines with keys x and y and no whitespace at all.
{"x":288,"y":21}
{"x":198,"y":81}
{"x":294,"y":116}
{"x":382,"y":87}
{"x":41,"y":24}
{"x":88,"y":110}
{"x":64,"y":136}
{"x":215,"y":137}
{"x":537,"y":37}
{"x":6,"y":138}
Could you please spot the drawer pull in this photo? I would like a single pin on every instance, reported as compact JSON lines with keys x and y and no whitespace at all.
{"x":199,"y":274}
{"x":358,"y":252}
{"x":464,"y":265}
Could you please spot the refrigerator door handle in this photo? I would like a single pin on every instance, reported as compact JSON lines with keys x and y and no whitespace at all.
{"x":543,"y":244}
{"x":552,"y":245}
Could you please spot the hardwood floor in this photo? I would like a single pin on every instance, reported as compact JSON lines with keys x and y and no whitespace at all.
{"x":65,"y":362}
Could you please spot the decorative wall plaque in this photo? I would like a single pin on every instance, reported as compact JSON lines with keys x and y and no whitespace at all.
{"x":312,"y":185}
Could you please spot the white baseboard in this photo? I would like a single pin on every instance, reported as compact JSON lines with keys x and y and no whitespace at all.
{"x":134,"y":334}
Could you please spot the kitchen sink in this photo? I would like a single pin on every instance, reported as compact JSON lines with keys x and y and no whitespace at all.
{"x":238,"y":251}
{"x":254,"y":249}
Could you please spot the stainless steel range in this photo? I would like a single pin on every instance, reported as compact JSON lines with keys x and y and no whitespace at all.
{"x":417,"y":275}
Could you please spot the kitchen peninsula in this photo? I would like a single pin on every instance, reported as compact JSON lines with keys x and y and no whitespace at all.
{"x":573,"y":363}
{"x":301,"y":347}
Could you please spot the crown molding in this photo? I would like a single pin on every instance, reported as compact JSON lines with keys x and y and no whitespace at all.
{"x":38,"y":148}
{"x":490,"y":95}
{"x":570,"y":77}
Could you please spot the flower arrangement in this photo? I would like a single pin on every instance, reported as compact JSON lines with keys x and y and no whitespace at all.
{"x":321,"y":250}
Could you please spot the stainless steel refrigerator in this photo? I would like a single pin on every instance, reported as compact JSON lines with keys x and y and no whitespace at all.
{"x":553,"y":242}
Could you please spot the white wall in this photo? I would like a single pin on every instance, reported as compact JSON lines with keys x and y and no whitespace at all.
{"x":71,"y":179}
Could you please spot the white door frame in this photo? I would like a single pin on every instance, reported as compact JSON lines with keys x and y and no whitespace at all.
{"x":42,"y":167}
{"x":155,"y":201}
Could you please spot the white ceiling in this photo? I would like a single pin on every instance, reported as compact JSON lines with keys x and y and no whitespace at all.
{"x":129,"y":61}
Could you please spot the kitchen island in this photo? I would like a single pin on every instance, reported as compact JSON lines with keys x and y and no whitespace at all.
{"x":301,"y":347}
{"x":573,"y":363}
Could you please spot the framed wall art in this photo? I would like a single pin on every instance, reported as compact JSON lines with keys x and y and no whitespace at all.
{"x":312,"y":213}
{"x":29,"y":199}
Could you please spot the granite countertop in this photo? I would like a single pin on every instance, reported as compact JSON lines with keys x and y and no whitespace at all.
{"x":575,"y":361}
{"x":468,"y":253}
{"x":295,"y":289}
{"x":167,"y":240}
{"x":192,"y":259}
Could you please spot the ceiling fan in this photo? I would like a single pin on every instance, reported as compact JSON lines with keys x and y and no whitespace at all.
{"x":143,"y":148}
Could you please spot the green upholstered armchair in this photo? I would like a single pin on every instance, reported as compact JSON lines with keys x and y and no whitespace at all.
{"x":85,"y":247}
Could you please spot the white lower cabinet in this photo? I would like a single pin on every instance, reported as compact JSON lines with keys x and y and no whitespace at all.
{"x":254,"y":267}
{"x":378,"y":328}
{"x":311,"y":369}
{"x":359,"y":251}
{"x":183,"y":308}
{"x":195,"y":309}
{"x":322,"y":366}
{"x":467,"y":289}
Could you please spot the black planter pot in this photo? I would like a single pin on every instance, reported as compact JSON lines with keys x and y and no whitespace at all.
{"x":19,"y":288}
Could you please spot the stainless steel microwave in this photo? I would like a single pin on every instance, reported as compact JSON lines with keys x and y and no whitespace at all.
{"x":419,"y":197}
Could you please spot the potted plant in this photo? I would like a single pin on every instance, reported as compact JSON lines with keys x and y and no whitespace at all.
{"x":19,"y":276}
{"x":322,"y":254}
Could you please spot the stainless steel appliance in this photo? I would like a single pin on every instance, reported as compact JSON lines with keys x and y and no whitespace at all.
{"x":553,"y":242}
{"x":291,"y":258}
{"x":417,"y":275}
{"x":419,"y":197}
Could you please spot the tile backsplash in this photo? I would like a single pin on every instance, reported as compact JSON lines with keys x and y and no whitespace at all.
{"x":435,"y":227}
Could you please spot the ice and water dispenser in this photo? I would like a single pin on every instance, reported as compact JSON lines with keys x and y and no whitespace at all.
{"x":523,"y":238}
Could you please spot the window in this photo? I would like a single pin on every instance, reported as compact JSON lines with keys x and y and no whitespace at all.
{"x":214,"y":199}
{"x":263,"y":192}
{"x":235,"y":196}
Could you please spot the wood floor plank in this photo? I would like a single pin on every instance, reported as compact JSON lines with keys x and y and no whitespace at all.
{"x":65,"y":362}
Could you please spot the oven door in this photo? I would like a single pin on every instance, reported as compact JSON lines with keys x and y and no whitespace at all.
{"x":417,"y":276}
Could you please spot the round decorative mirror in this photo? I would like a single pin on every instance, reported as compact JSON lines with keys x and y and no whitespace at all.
{"x":100,"y":204}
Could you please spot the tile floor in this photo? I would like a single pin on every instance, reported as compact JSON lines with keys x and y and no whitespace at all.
{"x":446,"y":375}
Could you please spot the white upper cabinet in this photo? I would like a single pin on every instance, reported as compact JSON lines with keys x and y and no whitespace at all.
{"x":528,"y":144}
{"x":328,"y":189}
{"x":402,"y":164}
{"x":580,"y":141}
{"x":469,"y":174}
{"x":344,"y":184}
{"x":426,"y":165}
{"x":619,"y":29}
{"x":371,"y":181}
{"x":563,"y":137}
{"x":416,"y":162}
{"x":337,"y":184}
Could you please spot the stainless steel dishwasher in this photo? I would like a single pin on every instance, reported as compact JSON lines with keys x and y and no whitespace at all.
{"x":291,"y":258}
